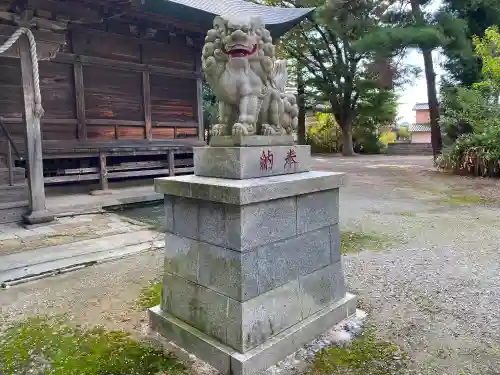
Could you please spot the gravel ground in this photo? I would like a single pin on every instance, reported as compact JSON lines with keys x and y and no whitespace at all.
{"x":435,"y":290}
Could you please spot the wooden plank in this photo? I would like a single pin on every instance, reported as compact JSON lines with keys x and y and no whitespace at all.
{"x":103,"y":173}
{"x":172,"y":99}
{"x":186,"y":132}
{"x":146,"y":97}
{"x":17,"y":120}
{"x":57,"y":87}
{"x":129,"y":132}
{"x":163,"y":19}
{"x":11,"y":89}
{"x":112,"y":94}
{"x":143,"y":173}
{"x":80,"y":101}
{"x":163,"y":133}
{"x":176,"y":56}
{"x":74,"y":11}
{"x":138,"y":165}
{"x":171,"y":163}
{"x":184,"y":170}
{"x":58,"y":132}
{"x":77,"y":171}
{"x":107,"y":121}
{"x":129,"y":166}
{"x":175,"y":124}
{"x":101,"y":132}
{"x":70,"y":58}
{"x":105,"y":45}
{"x":33,"y":132}
{"x":72,"y":178}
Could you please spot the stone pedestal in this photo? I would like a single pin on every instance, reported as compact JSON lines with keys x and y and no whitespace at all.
{"x":252,"y":265}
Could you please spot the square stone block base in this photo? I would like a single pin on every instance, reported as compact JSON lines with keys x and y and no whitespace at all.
{"x":251,"y":162}
{"x":257,"y":360}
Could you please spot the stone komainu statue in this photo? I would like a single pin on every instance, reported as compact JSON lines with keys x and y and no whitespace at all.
{"x":249,"y":82}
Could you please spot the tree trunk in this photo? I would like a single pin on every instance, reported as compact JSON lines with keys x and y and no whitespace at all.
{"x":430,"y":77}
{"x":347,"y":144}
{"x":301,"y":128}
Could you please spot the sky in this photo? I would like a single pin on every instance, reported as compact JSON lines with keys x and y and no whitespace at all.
{"x":416,"y":92}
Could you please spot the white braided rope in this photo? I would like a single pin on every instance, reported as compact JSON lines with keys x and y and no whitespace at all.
{"x":38,"y":112}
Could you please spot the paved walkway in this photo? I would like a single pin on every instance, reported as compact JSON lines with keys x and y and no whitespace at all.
{"x":62,"y":202}
{"x":65,"y":230}
{"x":69,"y":243}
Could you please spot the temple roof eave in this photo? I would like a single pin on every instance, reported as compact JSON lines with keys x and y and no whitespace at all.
{"x":277,"y":20}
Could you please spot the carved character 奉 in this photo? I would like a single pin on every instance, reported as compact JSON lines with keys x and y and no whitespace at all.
{"x":240,"y":65}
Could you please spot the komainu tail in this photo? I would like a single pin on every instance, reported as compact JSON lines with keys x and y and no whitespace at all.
{"x":280,"y":75}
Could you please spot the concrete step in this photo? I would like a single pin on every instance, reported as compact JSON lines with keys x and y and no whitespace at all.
{"x":35,"y":264}
{"x":15,"y":193}
{"x":12,"y":212}
{"x":18,"y":174}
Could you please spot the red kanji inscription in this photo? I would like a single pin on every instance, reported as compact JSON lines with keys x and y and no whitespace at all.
{"x":290,"y":159}
{"x":266,"y":160}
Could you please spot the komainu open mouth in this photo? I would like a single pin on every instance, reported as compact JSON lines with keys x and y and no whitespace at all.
{"x":241,"y":51}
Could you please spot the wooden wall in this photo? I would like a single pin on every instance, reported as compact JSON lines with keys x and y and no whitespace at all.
{"x":109,"y":83}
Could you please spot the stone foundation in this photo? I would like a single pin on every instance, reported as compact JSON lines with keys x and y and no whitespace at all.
{"x":251,"y":162}
{"x":252,"y":266}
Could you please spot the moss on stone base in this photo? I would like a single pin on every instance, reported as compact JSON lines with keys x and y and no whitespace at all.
{"x":150,"y":295}
{"x":365,"y":355}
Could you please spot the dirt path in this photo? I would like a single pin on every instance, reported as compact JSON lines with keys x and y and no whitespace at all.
{"x":435,"y":290}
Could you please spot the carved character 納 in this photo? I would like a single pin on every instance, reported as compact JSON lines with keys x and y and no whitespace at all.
{"x":266,"y":160}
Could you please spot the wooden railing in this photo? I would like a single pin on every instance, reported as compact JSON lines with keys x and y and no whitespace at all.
{"x":11,"y":146}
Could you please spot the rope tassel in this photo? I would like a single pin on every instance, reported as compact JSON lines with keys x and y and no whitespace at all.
{"x":39,"y":111}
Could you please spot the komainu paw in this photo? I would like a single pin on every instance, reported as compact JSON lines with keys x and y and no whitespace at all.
{"x":219,"y":129}
{"x":241,"y":129}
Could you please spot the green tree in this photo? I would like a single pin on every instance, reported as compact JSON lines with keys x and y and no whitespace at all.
{"x":475,"y":109}
{"x":488,"y":49}
{"x":210,"y":108}
{"x":333,"y":71}
{"x":407,"y":25}
{"x":462,"y":65}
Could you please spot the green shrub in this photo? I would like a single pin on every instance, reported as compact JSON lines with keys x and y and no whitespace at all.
{"x":475,"y":154}
{"x":368,"y":144}
{"x":403,"y":133}
{"x":324,"y":135}
{"x":467,"y":110}
{"x":387,"y":137}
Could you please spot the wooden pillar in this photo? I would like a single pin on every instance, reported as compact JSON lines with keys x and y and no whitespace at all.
{"x":146,"y":100}
{"x":171,"y":163}
{"x":10,"y":163}
{"x":103,"y":171}
{"x":199,"y":99}
{"x":80,"y":100}
{"x":38,"y":211}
